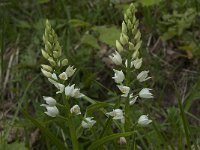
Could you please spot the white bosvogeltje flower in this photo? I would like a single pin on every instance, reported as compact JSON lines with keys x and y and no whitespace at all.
{"x":60,"y":87}
{"x":73,"y":92}
{"x":70,"y":71}
{"x":144,"y":120}
{"x":116,"y":114}
{"x":52,"y":111}
{"x":63,"y":76}
{"x":133,"y":100}
{"x":122,"y":141}
{"x":50,"y":100}
{"x":119,"y":76}
{"x":88,"y":122}
{"x":145,"y":93}
{"x":143,"y":76}
{"x":124,"y":89}
{"x":137,"y":63}
{"x":116,"y":58}
{"x":75,"y":110}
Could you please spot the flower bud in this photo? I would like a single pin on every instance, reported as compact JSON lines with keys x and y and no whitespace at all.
{"x":137,"y":63}
{"x":47,"y":67}
{"x":52,"y":111}
{"x":75,"y":110}
{"x":138,"y":35}
{"x":51,"y":61}
{"x":45,"y":54}
{"x":123,"y":39}
{"x":129,"y":24}
{"x":64,"y":62}
{"x":46,"y":73}
{"x":124,"y":28}
{"x":48,"y":46}
{"x":138,"y":45}
{"x":119,"y":46}
{"x":135,"y":54}
{"x":56,"y":54}
{"x":131,"y":46}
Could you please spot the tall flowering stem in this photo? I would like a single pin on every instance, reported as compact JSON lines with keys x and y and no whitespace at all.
{"x":128,"y":63}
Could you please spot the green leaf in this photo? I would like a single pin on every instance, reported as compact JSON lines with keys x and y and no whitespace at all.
{"x":103,"y":140}
{"x":12,"y":146}
{"x":150,"y":2}
{"x":95,"y":107}
{"x":108,"y":35}
{"x":78,"y":23}
{"x":90,"y":40}
{"x":48,"y":134}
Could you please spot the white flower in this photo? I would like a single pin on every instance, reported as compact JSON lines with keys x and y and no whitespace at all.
{"x":70,"y":71}
{"x":143,"y":76}
{"x":46,"y":73}
{"x":119,"y":76}
{"x":143,"y":120}
{"x":122,"y":140}
{"x":132,"y":101}
{"x":88,"y":122}
{"x":126,"y":64}
{"x":60,"y":87}
{"x":137,"y":63}
{"x":52,"y":111}
{"x":124,"y":89}
{"x":54,"y":76}
{"x":63,"y":76}
{"x":116,"y":58}
{"x":145,"y":93}
{"x":116,"y":114}
{"x":50,"y":101}
{"x":75,"y":110}
{"x":73,"y":92}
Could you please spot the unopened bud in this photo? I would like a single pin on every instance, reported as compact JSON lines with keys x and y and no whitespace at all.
{"x":47,"y":68}
{"x":119,"y":46}
{"x":123,"y":39}
{"x":64,"y":62}
{"x":138,"y":45}
{"x":135,"y":54}
{"x":122,"y":141}
{"x":129,"y":24}
{"x":46,"y":73}
{"x":56,"y":54}
{"x":51,"y":61}
{"x":131,"y":46}
{"x":45,"y":54}
{"x":124,"y":28}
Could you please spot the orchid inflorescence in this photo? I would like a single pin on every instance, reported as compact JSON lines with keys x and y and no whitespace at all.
{"x":127,"y":61}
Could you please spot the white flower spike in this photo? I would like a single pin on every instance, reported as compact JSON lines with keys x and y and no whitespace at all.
{"x":145,"y":93}
{"x":137,"y":63}
{"x":116,"y":114}
{"x":116,"y":58}
{"x":70,"y":71}
{"x":144,"y":120}
{"x":143,"y":76}
{"x":124,"y":89}
{"x":88,"y":122}
{"x":119,"y":76}
{"x":75,"y":110}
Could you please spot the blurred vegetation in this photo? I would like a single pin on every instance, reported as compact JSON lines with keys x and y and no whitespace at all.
{"x":87,"y":31}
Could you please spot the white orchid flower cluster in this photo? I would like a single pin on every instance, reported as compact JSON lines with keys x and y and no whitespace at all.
{"x":128,"y":62}
{"x":58,"y":78}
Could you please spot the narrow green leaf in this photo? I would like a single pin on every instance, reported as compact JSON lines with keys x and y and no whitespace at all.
{"x":53,"y":139}
{"x":99,"y":142}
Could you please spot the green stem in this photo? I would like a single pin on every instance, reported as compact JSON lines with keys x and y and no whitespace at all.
{"x":71,"y":126}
